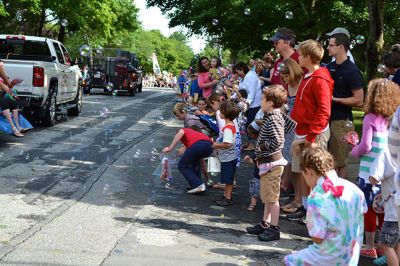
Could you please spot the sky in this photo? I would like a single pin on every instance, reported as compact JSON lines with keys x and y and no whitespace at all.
{"x":153,"y":19}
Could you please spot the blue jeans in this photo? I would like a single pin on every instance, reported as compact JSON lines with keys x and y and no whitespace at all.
{"x":189,"y":164}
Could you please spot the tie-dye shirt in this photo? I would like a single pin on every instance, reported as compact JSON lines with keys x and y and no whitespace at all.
{"x":338,"y":221}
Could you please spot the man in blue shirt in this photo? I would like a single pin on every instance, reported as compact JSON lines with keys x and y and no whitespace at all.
{"x":347,"y":93}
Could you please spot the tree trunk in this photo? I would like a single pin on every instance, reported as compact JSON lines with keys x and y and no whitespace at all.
{"x":61,"y":34}
{"x":375,"y":40}
{"x":39,"y":31}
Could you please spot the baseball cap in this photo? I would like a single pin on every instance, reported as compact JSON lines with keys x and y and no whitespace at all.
{"x":281,"y":36}
{"x":339,"y":31}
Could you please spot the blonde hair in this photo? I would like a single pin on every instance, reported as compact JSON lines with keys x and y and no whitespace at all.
{"x":312,"y":48}
{"x":293,"y":70}
{"x":179,"y":108}
{"x":383,"y":97}
{"x":317,"y":159}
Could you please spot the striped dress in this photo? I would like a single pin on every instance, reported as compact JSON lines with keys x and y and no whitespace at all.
{"x":373,"y":141}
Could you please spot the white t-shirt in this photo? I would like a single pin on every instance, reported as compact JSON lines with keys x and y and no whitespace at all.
{"x":384,"y":169}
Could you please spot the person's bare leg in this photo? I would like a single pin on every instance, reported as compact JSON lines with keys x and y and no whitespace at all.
{"x":274,"y":211}
{"x":267,"y":213}
{"x":297,"y":189}
{"x":15,"y":113}
{"x":7,"y":115}
{"x":286,"y":177}
{"x":228,"y":191}
{"x":369,"y":240}
{"x":391,"y":256}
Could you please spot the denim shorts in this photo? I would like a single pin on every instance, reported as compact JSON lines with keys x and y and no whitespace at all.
{"x":389,"y":235}
{"x":254,"y":187}
{"x":228,"y":171}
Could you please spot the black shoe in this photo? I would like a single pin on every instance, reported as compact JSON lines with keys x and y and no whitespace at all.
{"x":296,"y":215}
{"x":270,"y":234}
{"x":218,"y":198}
{"x":256,"y":230}
{"x":224,"y":202}
{"x":303,"y":220}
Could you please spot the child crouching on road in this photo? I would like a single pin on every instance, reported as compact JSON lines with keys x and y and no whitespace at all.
{"x":335,"y":214}
{"x":270,"y":161}
{"x":226,"y":150}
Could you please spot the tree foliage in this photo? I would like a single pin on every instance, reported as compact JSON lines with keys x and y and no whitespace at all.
{"x":237,"y":31}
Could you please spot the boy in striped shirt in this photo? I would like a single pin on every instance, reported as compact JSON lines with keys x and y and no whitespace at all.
{"x":270,"y":161}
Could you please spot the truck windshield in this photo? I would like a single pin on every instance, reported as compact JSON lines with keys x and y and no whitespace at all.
{"x":28,"y":50}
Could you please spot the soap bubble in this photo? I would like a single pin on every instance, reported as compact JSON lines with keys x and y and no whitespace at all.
{"x":106,"y":188}
{"x":154,"y":151}
{"x":289,"y":15}
{"x":72,"y":158}
{"x":381,"y":68}
{"x":1,"y":154}
{"x":247,"y":11}
{"x":214,"y":173}
{"x":153,"y":158}
{"x":360,"y":39}
{"x":215,"y":22}
{"x":349,"y":124}
{"x":84,"y":50}
{"x":64,"y":22}
{"x":104,"y":112}
{"x":110,"y":86}
{"x":27,"y":156}
{"x":151,"y":141}
{"x":99,"y":50}
{"x":352,"y":44}
{"x":114,"y":93}
{"x":281,"y":67}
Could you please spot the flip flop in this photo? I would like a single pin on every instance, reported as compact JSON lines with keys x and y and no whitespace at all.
{"x":17,"y":134}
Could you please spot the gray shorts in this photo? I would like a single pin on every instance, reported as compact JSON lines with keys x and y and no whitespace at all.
{"x":389,"y":235}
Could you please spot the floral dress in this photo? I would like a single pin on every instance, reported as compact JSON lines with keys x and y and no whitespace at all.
{"x":339,"y":221}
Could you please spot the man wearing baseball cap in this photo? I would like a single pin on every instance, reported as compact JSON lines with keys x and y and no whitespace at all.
{"x":284,"y":41}
{"x":345,"y":32}
{"x":347,"y":93}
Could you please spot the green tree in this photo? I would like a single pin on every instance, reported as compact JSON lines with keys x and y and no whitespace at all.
{"x":239,"y":32}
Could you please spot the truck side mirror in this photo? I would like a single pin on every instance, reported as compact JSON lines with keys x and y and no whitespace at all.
{"x":53,"y":58}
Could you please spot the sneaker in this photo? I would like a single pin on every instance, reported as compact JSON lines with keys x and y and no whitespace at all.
{"x":224,"y":202}
{"x":198,"y":189}
{"x":297,"y":215}
{"x":303,"y":220}
{"x":256,"y":230}
{"x":369,"y":253}
{"x":270,"y":234}
{"x":380,"y":261}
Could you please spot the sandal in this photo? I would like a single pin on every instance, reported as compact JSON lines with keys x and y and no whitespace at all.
{"x":291,"y":209}
{"x":251,"y":207}
{"x":16,"y":133}
{"x":218,"y":186}
{"x":289,"y":205}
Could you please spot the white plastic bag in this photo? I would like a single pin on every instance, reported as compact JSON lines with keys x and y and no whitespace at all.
{"x":213,"y":165}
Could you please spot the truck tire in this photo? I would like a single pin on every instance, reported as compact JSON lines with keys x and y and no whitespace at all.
{"x":50,"y":112}
{"x":77,"y":102}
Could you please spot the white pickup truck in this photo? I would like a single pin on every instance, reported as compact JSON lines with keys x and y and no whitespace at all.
{"x":50,"y":84}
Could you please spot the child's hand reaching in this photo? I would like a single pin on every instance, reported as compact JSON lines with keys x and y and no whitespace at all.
{"x":166,"y":150}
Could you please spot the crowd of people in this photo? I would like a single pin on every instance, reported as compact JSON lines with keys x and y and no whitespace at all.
{"x":294,"y":114}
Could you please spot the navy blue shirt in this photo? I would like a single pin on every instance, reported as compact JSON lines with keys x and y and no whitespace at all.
{"x":347,"y":78}
{"x":396,"y":77}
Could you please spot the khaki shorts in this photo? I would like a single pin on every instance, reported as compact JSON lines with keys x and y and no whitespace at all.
{"x":337,"y":147}
{"x":322,"y":141}
{"x":270,"y":185}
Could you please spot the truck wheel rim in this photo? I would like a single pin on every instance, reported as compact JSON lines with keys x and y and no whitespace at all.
{"x":52,"y":108}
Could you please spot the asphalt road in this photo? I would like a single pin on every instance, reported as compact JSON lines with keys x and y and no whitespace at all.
{"x":83,"y":193}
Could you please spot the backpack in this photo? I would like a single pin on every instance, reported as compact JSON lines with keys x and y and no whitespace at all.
{"x":211,"y":123}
